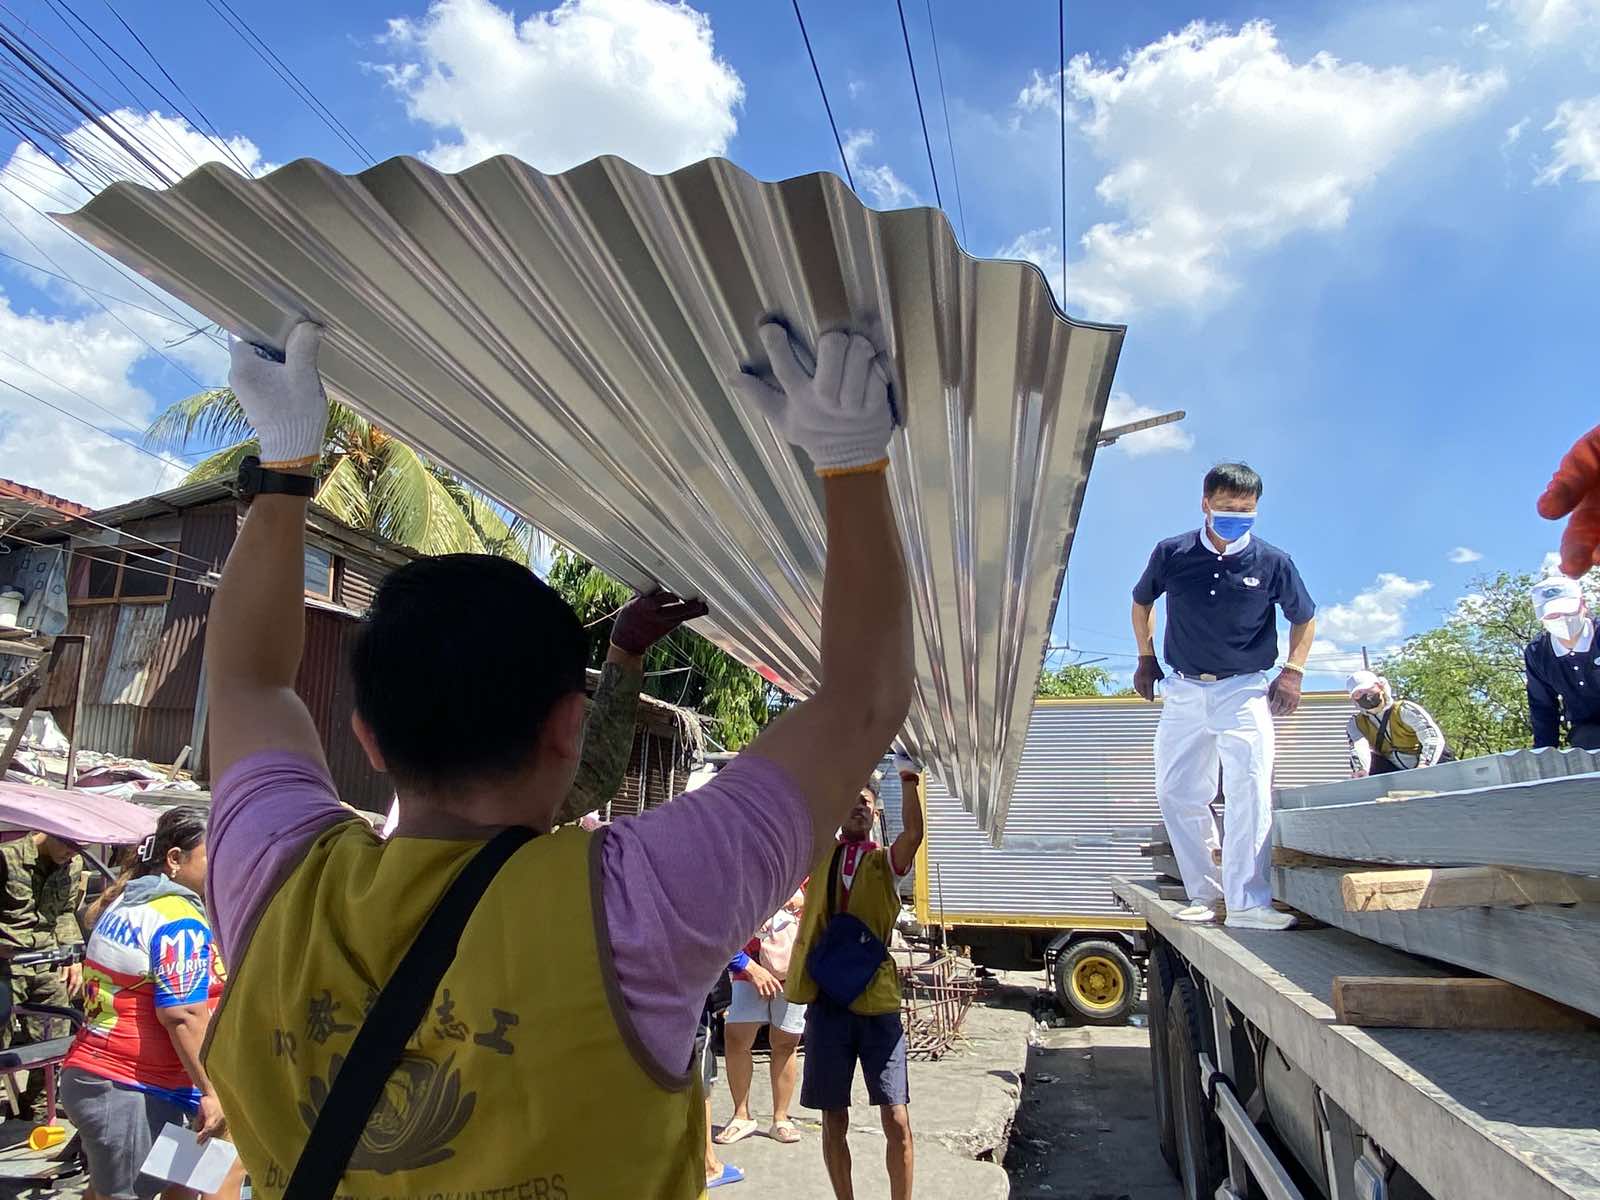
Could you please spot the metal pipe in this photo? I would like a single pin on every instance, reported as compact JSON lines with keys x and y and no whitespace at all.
{"x":1242,"y":1132}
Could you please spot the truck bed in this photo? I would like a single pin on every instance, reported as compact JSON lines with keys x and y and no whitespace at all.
{"x":1468,"y":1113}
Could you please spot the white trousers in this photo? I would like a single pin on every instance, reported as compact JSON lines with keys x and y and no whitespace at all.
{"x":1204,"y":726}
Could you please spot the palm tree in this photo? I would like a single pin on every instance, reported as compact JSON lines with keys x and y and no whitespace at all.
{"x":369,"y":479}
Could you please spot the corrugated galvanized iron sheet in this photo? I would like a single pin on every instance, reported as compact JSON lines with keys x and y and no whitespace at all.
{"x":1088,"y":770}
{"x":565,"y":342}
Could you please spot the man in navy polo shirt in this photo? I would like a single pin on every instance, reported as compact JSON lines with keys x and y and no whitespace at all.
{"x":1562,"y":664}
{"x":1222,"y":587}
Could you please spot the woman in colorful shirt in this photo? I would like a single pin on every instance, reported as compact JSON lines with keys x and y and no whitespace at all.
{"x":151,"y":980}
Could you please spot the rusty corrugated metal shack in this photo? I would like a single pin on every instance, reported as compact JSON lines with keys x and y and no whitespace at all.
{"x":134,"y":583}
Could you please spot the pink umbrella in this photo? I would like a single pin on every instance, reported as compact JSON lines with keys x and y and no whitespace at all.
{"x":73,"y":815}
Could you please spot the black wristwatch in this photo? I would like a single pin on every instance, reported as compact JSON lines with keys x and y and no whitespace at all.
{"x":256,"y":480}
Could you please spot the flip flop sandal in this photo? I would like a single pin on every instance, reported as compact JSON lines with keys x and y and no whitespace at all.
{"x":730,"y":1174}
{"x":735,"y":1130}
{"x":785,"y":1132}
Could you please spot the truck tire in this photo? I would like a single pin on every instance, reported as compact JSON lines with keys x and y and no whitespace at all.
{"x":1097,"y":980}
{"x":1202,"y":1156}
{"x":1158,"y":976}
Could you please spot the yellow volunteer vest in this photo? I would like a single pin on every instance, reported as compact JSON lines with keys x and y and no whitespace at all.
{"x":522,"y":1084}
{"x":1398,"y":737}
{"x":874,"y":900}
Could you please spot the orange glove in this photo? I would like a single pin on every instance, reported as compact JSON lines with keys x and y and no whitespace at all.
{"x":1575,"y":489}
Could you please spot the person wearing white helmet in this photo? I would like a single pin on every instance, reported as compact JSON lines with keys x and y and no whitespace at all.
{"x":1388,"y":734}
{"x":1561,"y":663}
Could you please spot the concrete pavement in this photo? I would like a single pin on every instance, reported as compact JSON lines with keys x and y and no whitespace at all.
{"x":961,"y":1112}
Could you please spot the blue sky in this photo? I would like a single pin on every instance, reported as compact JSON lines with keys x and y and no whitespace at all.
{"x":1356,"y":242}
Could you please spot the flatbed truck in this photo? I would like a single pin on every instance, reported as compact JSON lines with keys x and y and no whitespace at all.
{"x":1259,"y":1091}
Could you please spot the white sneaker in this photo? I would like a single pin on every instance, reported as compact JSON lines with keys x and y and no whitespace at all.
{"x":1198,"y":914}
{"x":1265,"y":917}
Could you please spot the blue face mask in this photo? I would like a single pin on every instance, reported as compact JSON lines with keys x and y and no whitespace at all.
{"x":1230,"y":527}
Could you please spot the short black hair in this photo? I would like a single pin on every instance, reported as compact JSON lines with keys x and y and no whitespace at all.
{"x":459,"y":663}
{"x":1233,"y":478}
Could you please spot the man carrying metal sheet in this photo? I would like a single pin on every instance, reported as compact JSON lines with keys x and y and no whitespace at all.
{"x":1223,"y":589}
{"x":479,"y":1003}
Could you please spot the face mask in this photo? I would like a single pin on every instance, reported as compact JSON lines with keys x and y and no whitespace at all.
{"x":1568,"y":629}
{"x":1370,"y":701}
{"x":1230,"y":527}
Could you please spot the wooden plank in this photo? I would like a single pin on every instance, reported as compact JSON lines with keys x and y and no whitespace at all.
{"x":1151,"y":849}
{"x":1387,"y":1002}
{"x":1165,"y":864}
{"x":1550,"y":949}
{"x":1173,"y":891}
{"x":1462,"y":887}
{"x":1297,"y":858}
{"x":1542,"y":825}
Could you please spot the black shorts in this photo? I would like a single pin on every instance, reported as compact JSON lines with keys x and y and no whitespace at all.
{"x":837,"y":1039}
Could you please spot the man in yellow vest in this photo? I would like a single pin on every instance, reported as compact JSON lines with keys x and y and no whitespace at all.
{"x":866,"y":881}
{"x":553,"y":1057}
{"x":1387,"y":734}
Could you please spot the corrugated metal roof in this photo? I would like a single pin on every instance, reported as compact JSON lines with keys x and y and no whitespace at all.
{"x":1087,"y":771}
{"x":565,"y":342}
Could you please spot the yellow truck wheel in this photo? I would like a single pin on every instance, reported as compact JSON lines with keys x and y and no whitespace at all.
{"x":1097,"y":981}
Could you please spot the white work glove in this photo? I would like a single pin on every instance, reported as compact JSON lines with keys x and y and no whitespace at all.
{"x":904,"y":764}
{"x":284,"y":400}
{"x":840,"y":413}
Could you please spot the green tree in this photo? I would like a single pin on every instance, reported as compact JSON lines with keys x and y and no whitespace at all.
{"x":1074,"y":680}
{"x":1467,"y":671}
{"x":370,"y":479}
{"x":683,"y":668}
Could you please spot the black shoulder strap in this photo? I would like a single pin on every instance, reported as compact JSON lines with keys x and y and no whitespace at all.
{"x":1383,"y":730}
{"x":833,"y":881}
{"x":394,"y":1017}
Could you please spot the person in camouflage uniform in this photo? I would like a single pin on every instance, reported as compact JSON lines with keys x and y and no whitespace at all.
{"x":40,"y":894}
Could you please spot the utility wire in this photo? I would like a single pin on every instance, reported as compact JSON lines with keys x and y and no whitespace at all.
{"x":97,"y":292}
{"x":949,"y":138}
{"x":916,"y":91}
{"x":205,"y":123}
{"x":1061,"y":91}
{"x":85,"y":421}
{"x":286,"y":73}
{"x":828,"y":108}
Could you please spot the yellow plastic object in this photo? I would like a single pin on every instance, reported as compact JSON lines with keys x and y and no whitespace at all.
{"x":1097,"y":982}
{"x":45,"y":1136}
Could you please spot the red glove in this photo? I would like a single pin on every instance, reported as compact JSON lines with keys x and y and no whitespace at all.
{"x":645,"y":620}
{"x":1575,"y":489}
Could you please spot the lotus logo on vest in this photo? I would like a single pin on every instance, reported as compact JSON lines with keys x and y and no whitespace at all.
{"x":1251,"y":581}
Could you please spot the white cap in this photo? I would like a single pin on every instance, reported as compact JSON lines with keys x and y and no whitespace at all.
{"x":1361,"y":681}
{"x":1556,"y":596}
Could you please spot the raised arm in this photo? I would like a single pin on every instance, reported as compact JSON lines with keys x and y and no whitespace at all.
{"x":912,"y":827}
{"x":842,"y":417}
{"x":608,"y":735}
{"x":256,"y":629}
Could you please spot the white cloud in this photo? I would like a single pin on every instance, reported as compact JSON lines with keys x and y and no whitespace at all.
{"x":1373,"y":616}
{"x":1514,"y":134}
{"x":1328,"y":659}
{"x":1121,"y":410}
{"x":884,"y":189}
{"x":1550,"y":22}
{"x":1041,"y":247}
{"x":1551,"y":563}
{"x":1577,"y":143}
{"x":1218,"y":145}
{"x":83,"y":358}
{"x":638,"y":78}
{"x":1465,"y":554}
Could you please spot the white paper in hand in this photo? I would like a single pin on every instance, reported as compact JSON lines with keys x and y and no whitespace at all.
{"x":178,"y":1158}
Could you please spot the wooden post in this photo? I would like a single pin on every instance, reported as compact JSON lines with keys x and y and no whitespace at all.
{"x":77,"y":706}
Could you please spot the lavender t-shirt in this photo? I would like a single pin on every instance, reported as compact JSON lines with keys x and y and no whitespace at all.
{"x":684,"y":884}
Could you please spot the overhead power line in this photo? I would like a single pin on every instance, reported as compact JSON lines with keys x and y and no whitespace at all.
{"x":944,"y":102}
{"x":66,"y":412}
{"x":916,"y":91}
{"x":844,"y":158}
{"x":286,"y":73}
